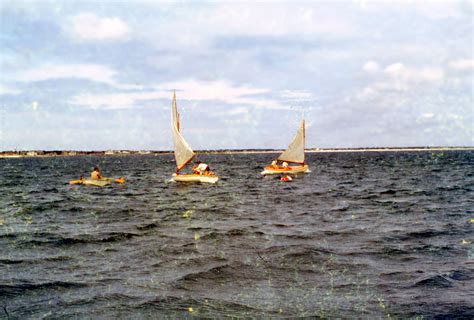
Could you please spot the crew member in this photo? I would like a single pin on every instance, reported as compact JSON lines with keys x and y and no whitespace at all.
{"x":274,"y":164}
{"x":201,"y":168}
{"x":95,"y":175}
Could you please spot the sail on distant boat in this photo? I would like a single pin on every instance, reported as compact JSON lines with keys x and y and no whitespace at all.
{"x":183,"y":153}
{"x":294,"y":153}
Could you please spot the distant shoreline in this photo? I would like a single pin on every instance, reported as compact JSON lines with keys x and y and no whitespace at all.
{"x":69,"y":153}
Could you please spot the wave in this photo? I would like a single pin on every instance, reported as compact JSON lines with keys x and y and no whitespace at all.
{"x":437,"y":281}
{"x":217,"y":272}
{"x":43,"y":238}
{"x":434,"y":310}
{"x":207,"y":308}
{"x":35,"y":260}
{"x":461,"y":275}
{"x":148,"y":226}
{"x":423,"y":234}
{"x":228,"y":233}
{"x":388,"y":191}
{"x":94,"y":299}
{"x":19,"y":289}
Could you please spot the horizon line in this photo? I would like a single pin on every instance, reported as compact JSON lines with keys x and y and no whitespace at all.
{"x":248,"y":150}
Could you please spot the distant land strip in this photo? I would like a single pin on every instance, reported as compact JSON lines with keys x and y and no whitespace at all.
{"x":59,"y":153}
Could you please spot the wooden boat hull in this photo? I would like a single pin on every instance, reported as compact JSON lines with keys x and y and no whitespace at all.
{"x":97,"y":183}
{"x":287,"y":170}
{"x":92,"y":182}
{"x":201,"y":178}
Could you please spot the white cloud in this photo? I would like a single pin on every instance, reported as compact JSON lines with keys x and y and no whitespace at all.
{"x":462,"y":64}
{"x":434,"y":10}
{"x":221,"y":90}
{"x":394,"y":69}
{"x":90,"y":27}
{"x":237,"y":111}
{"x":117,"y":100}
{"x":298,"y":95}
{"x":185,"y":90}
{"x":438,"y":9}
{"x":412,"y":74}
{"x":199,"y":27}
{"x":210,"y":90}
{"x":276,"y":19}
{"x":7,"y":90}
{"x":367,"y":92}
{"x":399,"y":78}
{"x":92,"y":72}
{"x":371,"y":67}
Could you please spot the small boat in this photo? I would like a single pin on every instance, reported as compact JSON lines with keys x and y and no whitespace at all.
{"x":184,"y":154}
{"x":102,"y":182}
{"x":97,"y":183}
{"x":294,"y":155}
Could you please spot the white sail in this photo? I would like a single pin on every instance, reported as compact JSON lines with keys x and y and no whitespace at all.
{"x":182,"y":151}
{"x":295,"y":151}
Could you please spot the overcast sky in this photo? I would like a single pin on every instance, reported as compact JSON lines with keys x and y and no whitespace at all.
{"x":99,"y":75}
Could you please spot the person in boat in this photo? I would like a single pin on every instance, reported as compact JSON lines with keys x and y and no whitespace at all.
{"x":284,"y":164}
{"x":95,"y":175}
{"x":274,"y":164}
{"x":201,"y":168}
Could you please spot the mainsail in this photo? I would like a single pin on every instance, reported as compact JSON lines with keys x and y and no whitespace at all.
{"x":295,"y":151}
{"x":182,"y":151}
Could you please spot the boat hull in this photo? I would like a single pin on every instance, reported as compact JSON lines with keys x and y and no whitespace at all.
{"x":288,"y":170}
{"x":201,"y":178}
{"x":97,"y":183}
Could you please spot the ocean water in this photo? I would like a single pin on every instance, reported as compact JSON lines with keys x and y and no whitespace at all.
{"x":364,"y":235}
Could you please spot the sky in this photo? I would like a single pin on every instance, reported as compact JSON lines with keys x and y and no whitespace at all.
{"x":100,"y":75}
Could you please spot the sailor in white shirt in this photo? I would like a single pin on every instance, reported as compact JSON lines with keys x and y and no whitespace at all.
{"x":200,"y":168}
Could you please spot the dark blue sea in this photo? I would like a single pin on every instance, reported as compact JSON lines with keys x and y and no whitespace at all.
{"x":364,"y":235}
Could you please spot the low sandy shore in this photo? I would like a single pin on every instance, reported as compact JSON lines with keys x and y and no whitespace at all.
{"x":394,"y":149}
{"x":24,"y":154}
{"x":347,"y":150}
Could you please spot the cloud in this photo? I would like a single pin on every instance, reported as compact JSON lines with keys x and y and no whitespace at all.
{"x":90,"y":27}
{"x":116,"y":100}
{"x":434,"y":10}
{"x":399,"y":78}
{"x":7,"y":90}
{"x":237,"y":111}
{"x":194,"y":90}
{"x":199,"y":27}
{"x":394,"y":69}
{"x":297,"y":95}
{"x":371,"y":67}
{"x":277,"y":19}
{"x":462,"y":64}
{"x":222,"y":90}
{"x":412,"y":74}
{"x":91,"y":72}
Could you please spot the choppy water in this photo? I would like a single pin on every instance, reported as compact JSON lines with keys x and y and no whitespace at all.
{"x":366,"y":235}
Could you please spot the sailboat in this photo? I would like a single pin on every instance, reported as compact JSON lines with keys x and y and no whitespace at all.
{"x":183,"y":153}
{"x":294,"y":154}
